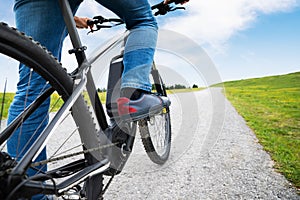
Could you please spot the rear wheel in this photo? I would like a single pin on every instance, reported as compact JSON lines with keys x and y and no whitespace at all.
{"x":23,"y":49}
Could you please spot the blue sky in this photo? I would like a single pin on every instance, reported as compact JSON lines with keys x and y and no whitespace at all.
{"x":270,"y":46}
{"x":243,"y":38}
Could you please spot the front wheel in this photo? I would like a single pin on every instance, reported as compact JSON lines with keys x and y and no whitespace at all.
{"x":156,"y":130}
{"x":156,"y":136}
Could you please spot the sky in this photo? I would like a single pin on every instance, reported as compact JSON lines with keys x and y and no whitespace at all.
{"x":242,"y":38}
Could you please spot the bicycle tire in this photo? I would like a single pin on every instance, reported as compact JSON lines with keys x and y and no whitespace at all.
{"x":156,"y":130}
{"x":24,"y":49}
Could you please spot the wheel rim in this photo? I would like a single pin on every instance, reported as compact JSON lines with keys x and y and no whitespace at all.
{"x":159,"y":131}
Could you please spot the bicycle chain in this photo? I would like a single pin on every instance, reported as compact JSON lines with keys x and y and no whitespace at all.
{"x":43,"y":162}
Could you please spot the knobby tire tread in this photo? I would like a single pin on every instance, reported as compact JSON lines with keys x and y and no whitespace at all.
{"x":148,"y":143}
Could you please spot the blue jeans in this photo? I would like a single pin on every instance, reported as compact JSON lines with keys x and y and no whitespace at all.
{"x":141,"y":42}
{"x":42,"y":20}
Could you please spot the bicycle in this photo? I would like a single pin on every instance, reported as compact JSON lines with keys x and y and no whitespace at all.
{"x":105,"y":146}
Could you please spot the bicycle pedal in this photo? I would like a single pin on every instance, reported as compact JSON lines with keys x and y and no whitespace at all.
{"x":72,"y":194}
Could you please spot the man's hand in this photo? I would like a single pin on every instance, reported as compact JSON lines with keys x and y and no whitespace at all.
{"x":81,"y":22}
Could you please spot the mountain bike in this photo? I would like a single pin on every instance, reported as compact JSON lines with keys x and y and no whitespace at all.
{"x":105,"y":140}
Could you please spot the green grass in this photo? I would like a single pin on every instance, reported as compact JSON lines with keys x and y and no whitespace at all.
{"x":7,"y":101}
{"x":56,"y":102}
{"x":271,"y":108}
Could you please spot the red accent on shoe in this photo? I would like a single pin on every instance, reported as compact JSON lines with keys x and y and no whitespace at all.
{"x":124,"y":109}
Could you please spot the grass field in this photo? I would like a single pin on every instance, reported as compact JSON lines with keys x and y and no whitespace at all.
{"x":271,"y":107}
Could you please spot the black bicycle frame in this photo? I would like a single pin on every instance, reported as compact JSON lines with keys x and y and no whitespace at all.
{"x":82,"y":62}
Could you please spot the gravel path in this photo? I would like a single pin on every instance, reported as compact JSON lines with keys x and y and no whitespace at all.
{"x":214,"y":155}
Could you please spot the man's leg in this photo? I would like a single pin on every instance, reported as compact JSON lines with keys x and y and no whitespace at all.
{"x":138,"y":58}
{"x":141,"y":42}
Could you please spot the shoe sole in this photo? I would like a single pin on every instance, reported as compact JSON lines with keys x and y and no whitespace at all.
{"x":132,"y":117}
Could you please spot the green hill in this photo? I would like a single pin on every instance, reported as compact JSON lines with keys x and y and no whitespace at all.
{"x":271,"y":108}
{"x":283,"y":81}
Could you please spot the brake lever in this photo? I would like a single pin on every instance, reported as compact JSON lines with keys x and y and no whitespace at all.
{"x":177,"y":8}
{"x":98,"y":28}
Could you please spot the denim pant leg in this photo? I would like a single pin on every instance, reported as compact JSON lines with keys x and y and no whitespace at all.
{"x":40,"y":19}
{"x":141,"y":43}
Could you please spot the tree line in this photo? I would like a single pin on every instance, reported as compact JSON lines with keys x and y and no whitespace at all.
{"x":172,"y":87}
{"x":179,"y":86}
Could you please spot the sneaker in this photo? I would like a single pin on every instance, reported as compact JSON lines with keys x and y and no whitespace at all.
{"x":146,"y":105}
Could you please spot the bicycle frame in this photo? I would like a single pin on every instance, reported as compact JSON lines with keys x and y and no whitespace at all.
{"x":83,"y":80}
{"x":95,"y":162}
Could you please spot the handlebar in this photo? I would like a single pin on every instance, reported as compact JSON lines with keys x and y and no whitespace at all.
{"x":99,"y":20}
{"x":162,"y":9}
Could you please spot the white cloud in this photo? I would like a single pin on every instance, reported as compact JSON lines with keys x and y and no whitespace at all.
{"x":214,"y":22}
{"x":90,"y":8}
{"x":209,"y":23}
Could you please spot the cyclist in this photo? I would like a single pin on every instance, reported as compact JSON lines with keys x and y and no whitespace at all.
{"x":42,"y":20}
